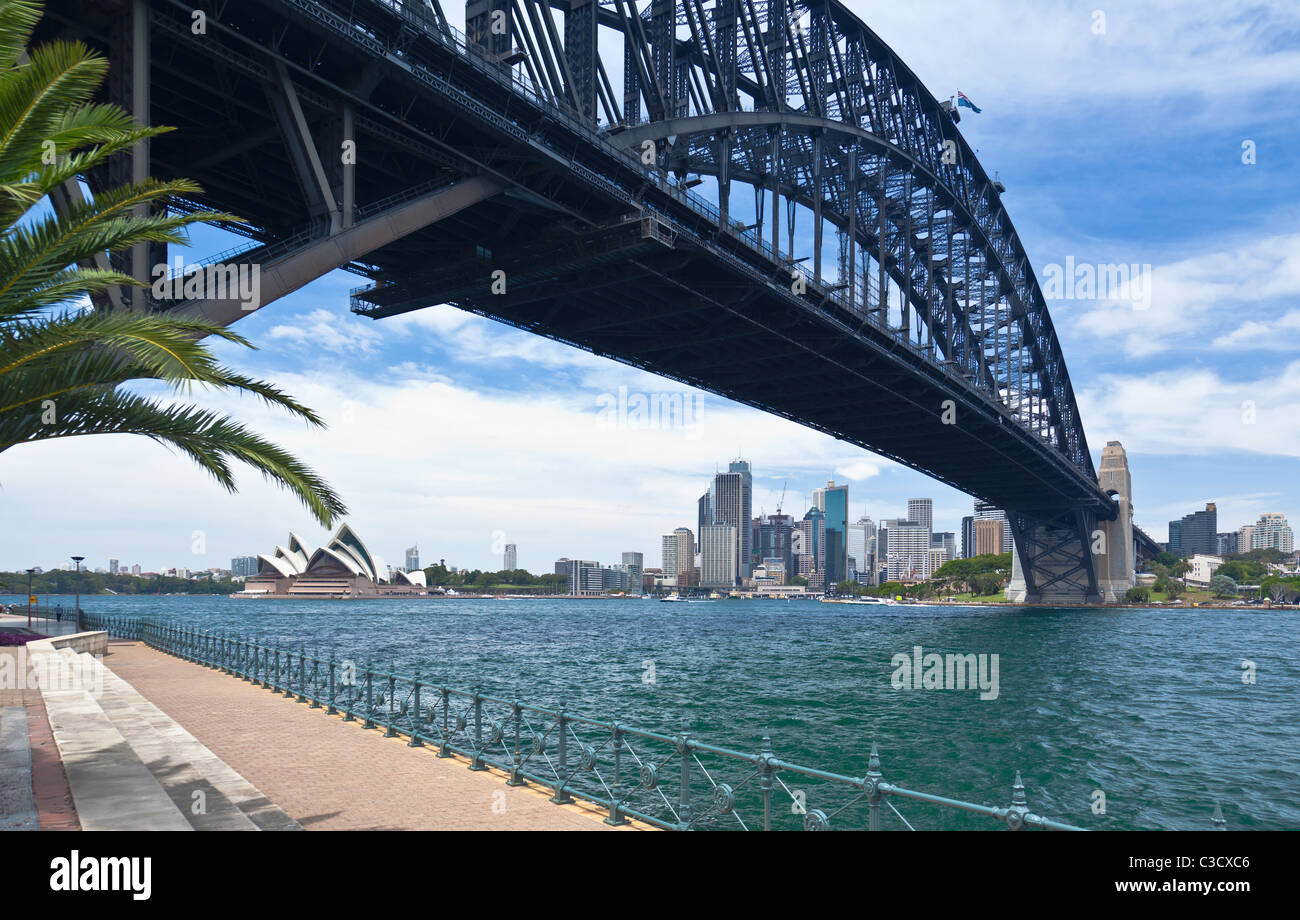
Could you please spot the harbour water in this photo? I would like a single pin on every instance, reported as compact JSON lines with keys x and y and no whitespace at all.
{"x":1147,"y":707}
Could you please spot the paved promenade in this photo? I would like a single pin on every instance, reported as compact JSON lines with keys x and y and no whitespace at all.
{"x":329,"y":774}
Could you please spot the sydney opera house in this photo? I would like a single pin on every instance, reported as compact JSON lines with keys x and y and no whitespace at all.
{"x":343,"y":567}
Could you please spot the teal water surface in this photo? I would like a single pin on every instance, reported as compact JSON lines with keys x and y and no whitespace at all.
{"x":1147,"y":706}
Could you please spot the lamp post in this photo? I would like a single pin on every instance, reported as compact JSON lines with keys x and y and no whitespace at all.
{"x":77,"y":563}
{"x":30,"y":572}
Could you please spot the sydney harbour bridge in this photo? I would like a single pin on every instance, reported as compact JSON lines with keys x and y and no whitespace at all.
{"x":753,"y":197}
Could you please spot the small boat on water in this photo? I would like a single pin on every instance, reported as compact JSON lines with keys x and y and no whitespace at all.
{"x":673,"y":599}
{"x":862,"y":601}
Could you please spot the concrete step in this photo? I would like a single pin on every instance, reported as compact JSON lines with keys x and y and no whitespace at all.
{"x":112,"y":788}
{"x":184,"y":765}
{"x":17,"y":804}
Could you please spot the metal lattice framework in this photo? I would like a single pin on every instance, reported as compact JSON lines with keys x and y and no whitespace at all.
{"x":804,"y":104}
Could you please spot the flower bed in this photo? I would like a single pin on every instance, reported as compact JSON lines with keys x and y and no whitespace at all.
{"x":17,"y":637}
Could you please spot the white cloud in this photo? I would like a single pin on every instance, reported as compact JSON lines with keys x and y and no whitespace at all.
{"x":1196,"y":412}
{"x":1282,"y":334}
{"x":324,"y":330}
{"x":859,"y":471}
{"x":1193,"y":295}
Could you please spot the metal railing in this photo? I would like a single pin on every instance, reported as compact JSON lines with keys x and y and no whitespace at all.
{"x":669,"y":781}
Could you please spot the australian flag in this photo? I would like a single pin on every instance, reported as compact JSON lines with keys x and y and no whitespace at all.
{"x":963,"y":100}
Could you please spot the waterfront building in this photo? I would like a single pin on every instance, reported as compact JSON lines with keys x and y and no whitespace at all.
{"x":1195,"y":533}
{"x":412,"y":558}
{"x":719,"y":565}
{"x":1202,"y":569}
{"x":585,"y":577}
{"x":511,"y":559}
{"x":833,"y":502}
{"x":243,"y":566}
{"x":968,"y":536}
{"x":1272,"y":532}
{"x":989,"y":534}
{"x":562,"y":565}
{"x":343,"y":567}
{"x":729,"y":502}
{"x":938,"y":556}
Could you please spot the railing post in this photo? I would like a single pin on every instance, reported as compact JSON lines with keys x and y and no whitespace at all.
{"x":370,"y":698}
{"x":476,"y":762}
{"x":392,"y":694}
{"x":444,"y":748}
{"x":616,"y":818}
{"x":1019,"y":805}
{"x":331,"y":709}
{"x":517,"y":713}
{"x":416,"y":720}
{"x":684,"y":793}
{"x":874,"y":776}
{"x":766,"y":780}
{"x":302,"y":675}
{"x":315,"y":679}
{"x":562,"y":796}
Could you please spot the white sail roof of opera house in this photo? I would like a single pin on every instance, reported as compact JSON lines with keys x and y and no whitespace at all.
{"x":345,"y":554}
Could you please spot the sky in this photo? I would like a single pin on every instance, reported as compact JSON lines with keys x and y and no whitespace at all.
{"x":1162,"y":134}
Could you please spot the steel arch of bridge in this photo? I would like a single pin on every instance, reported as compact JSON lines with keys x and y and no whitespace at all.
{"x":803,"y":103}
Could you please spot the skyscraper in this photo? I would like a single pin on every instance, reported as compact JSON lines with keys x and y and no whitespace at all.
{"x":921,"y":511}
{"x":909,"y":551}
{"x":413,"y":558}
{"x":833,"y":502}
{"x":719,"y":567}
{"x":989,"y":535}
{"x":511,"y":558}
{"x":862,"y":550}
{"x":730,"y":502}
{"x":635,"y":565}
{"x":1195,"y":533}
{"x":808,"y":545}
{"x":112,"y":566}
{"x":968,"y":536}
{"x":684,"y":554}
{"x":745,"y":542}
{"x":986,"y":512}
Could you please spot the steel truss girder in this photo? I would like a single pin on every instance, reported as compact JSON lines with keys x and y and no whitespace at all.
{"x":833,"y":73}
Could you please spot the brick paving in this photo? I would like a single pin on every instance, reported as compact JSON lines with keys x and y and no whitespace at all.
{"x":329,"y":774}
{"x":54,"y":808}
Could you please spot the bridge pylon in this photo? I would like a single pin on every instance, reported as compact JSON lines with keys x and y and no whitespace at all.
{"x":1072,"y":557}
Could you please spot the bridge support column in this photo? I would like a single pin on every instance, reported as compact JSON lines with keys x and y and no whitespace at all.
{"x":1071,"y":558}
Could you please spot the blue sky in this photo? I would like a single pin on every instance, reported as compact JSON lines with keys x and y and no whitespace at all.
{"x":459,"y":434}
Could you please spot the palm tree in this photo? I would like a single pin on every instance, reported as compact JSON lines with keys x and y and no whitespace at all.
{"x":62,"y":366}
